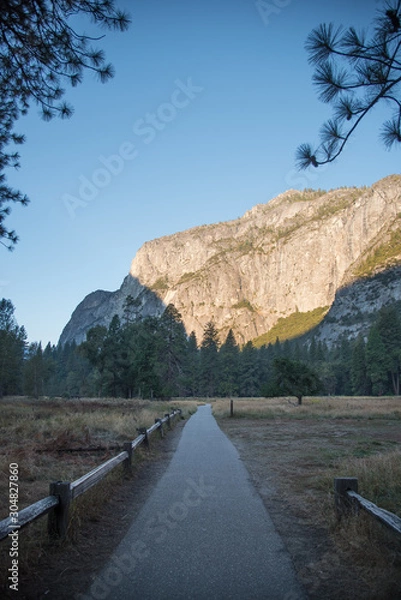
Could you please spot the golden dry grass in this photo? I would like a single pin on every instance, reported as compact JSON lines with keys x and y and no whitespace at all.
{"x":335,"y":407}
{"x":375,"y":461}
{"x":299,"y":449}
{"x":56,"y":439}
{"x":294,"y":453}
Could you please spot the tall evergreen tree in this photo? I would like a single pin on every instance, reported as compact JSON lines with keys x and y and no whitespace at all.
{"x":173,"y":344}
{"x":50,"y":367}
{"x":92,"y":349}
{"x":191,"y":367}
{"x":389,"y":327}
{"x":327,"y":374}
{"x":341,"y":365}
{"x":93,"y":345}
{"x":264,"y":365}
{"x":34,"y":371}
{"x":249,"y":384}
{"x":145,"y":360}
{"x":12,"y":350}
{"x":79,"y":374}
{"x":229,"y":366}
{"x":111,"y":359}
{"x":376,"y":367}
{"x":131,"y":309}
{"x":359,"y":378}
{"x":209,"y":369}
{"x":140,"y":356}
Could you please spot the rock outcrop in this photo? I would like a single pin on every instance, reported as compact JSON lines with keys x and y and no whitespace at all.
{"x":356,"y":306}
{"x":294,"y":253}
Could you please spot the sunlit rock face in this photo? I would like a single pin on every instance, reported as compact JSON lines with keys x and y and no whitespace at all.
{"x":293,"y":254}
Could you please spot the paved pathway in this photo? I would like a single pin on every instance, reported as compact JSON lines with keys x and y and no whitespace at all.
{"x":203,"y":534}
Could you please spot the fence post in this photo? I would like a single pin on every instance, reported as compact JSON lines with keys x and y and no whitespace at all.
{"x":231,"y":407}
{"x":58,"y":520}
{"x":160,"y":427}
{"x":168,"y":420}
{"x":344,"y":505}
{"x":144,"y":431}
{"x":128,"y":461}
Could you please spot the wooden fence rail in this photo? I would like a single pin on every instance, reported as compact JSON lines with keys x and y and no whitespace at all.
{"x":348,"y":501}
{"x":62,"y":493}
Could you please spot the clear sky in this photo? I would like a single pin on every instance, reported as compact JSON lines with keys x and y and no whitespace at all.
{"x":201,"y":122}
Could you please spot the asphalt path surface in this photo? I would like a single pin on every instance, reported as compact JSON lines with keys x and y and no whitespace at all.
{"x":203,"y":533}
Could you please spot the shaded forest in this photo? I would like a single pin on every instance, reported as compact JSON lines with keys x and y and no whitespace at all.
{"x":154,"y":358}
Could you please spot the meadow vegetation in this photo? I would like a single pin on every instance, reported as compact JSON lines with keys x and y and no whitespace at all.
{"x":293,"y":454}
{"x":58,"y":439}
{"x":374,"y":459}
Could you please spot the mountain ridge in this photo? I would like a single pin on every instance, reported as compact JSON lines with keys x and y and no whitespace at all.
{"x":292,"y":254}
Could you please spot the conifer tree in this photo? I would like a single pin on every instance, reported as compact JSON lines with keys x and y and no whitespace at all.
{"x":12,"y":349}
{"x":34,"y":371}
{"x":376,"y":368}
{"x":389,"y":328}
{"x":209,"y":370}
{"x":355,"y":72}
{"x":171,"y":351}
{"x":358,"y":368}
{"x":229,"y":366}
{"x":294,"y":378}
{"x":249,"y":384}
{"x":191,"y":368}
{"x":111,"y":359}
{"x":40,"y":51}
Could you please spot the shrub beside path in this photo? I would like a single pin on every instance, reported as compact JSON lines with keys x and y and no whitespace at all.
{"x":204,"y":532}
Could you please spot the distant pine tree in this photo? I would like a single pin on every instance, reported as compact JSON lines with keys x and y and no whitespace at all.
{"x":209,"y":368}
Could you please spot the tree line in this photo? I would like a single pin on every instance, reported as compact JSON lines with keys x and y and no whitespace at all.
{"x":154,"y":357}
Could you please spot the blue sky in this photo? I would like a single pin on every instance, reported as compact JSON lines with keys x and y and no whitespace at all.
{"x":201,"y":122}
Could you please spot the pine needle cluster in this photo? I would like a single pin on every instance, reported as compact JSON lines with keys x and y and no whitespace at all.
{"x":40,"y":51}
{"x":354,"y":72}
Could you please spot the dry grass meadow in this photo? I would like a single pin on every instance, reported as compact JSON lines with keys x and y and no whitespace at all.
{"x":293,"y":454}
{"x":57,"y":439}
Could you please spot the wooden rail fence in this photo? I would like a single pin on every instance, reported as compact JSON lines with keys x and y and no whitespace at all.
{"x":62,"y":493}
{"x":348,"y":501}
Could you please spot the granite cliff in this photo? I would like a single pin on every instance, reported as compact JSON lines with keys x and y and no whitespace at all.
{"x":299,"y":252}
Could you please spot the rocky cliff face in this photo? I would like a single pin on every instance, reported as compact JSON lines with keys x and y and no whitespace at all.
{"x":356,"y":306}
{"x":292,"y":254}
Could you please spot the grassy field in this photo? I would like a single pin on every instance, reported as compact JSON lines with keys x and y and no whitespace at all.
{"x":367,"y":445}
{"x":293,"y":454}
{"x":333,"y":407}
{"x":54,"y":439}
